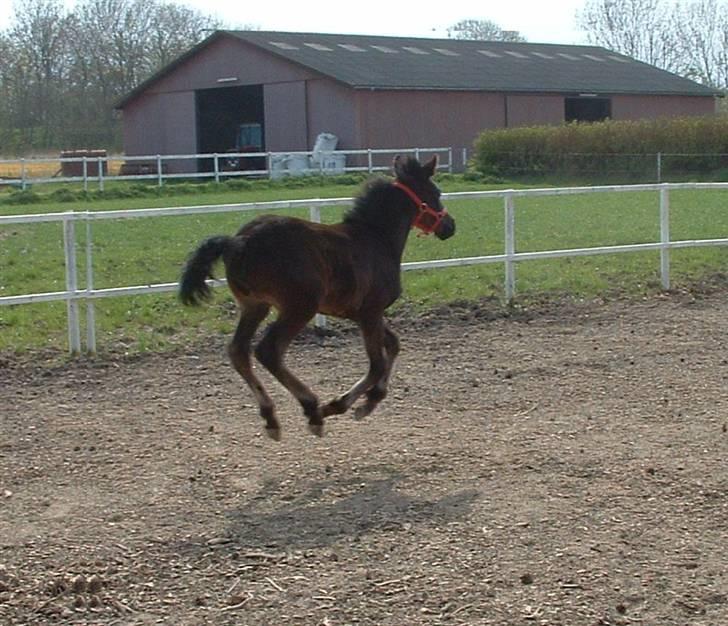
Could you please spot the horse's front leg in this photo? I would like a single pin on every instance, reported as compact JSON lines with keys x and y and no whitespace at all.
{"x":377,"y":393}
{"x":373,"y":333}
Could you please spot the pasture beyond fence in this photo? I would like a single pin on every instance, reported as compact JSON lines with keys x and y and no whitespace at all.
{"x":93,"y":169}
{"x":75,"y":294}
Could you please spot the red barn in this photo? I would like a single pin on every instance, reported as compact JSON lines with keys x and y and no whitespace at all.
{"x":276,"y":91}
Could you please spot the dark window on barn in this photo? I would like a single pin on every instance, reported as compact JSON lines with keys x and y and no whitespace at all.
{"x":230,"y":119}
{"x":587,"y":109}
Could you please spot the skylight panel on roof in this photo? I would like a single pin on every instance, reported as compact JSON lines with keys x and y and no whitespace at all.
{"x":564,"y":55}
{"x":318,"y":46}
{"x":490,"y":53}
{"x":283,"y":45}
{"x":543,"y":55}
{"x":593,"y":58}
{"x":518,"y":55}
{"x":386,"y":49}
{"x":351,"y":47}
{"x":446,"y":52}
{"x":414,"y":50}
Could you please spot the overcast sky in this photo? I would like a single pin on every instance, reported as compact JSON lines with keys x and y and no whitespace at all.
{"x":540,"y":21}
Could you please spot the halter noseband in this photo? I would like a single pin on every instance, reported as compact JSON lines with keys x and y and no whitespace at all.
{"x":423,"y":209}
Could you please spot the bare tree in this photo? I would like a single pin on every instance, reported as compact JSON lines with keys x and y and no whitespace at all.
{"x":642,"y":29}
{"x":174,"y":29}
{"x":35,"y":68}
{"x":482,"y":30}
{"x":703,"y":29}
{"x":62,"y":72}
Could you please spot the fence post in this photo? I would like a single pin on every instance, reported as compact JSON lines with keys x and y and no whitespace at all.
{"x":85,"y":173}
{"x":90,"y":310}
{"x":665,"y":235}
{"x":510,"y":246}
{"x":69,"y":246}
{"x":160,"y":178}
{"x":659,"y":167}
{"x":100,"y":165}
{"x":449,"y":160}
{"x":369,"y":159}
{"x":23,"y":183}
{"x":315,"y":215}
{"x":216,"y":163}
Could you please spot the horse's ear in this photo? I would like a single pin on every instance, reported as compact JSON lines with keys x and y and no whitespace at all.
{"x":398,"y":165}
{"x":430,"y":167}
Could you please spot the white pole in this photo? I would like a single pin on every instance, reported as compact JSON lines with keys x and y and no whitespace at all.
{"x":100,"y":164}
{"x":510,"y":246}
{"x":90,"y":310}
{"x":74,"y":327}
{"x":159,"y":171}
{"x":659,"y":167}
{"x":315,"y":215}
{"x":665,"y":235}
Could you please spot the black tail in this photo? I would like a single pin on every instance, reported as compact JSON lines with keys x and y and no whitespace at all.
{"x":192,"y":287}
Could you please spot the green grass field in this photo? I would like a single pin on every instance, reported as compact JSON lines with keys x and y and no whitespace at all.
{"x":152,"y":250}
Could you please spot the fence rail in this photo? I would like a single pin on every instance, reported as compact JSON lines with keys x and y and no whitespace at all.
{"x":74,"y":294}
{"x":160,"y":168}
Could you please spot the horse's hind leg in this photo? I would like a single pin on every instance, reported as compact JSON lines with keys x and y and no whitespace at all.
{"x":252,"y":314}
{"x":377,"y":393}
{"x":270,"y":353}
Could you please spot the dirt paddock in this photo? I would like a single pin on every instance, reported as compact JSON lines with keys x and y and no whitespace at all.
{"x":565,"y":467}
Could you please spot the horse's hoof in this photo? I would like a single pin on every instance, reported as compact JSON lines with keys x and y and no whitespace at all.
{"x":316,"y":429}
{"x":335,"y":407}
{"x":273,"y":433}
{"x":362,"y":411}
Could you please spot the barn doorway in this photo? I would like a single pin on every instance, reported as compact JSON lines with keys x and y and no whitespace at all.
{"x":230,"y":119}
{"x":587,"y":109}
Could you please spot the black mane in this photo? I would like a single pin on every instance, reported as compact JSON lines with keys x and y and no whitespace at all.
{"x":371,"y":206}
{"x":374,"y":203}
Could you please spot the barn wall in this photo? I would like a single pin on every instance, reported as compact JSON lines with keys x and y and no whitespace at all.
{"x":534,"y":109}
{"x":626,"y":107}
{"x":285,"y":116}
{"x":332,"y":109}
{"x":398,"y":119}
{"x":228,"y":58}
{"x":162,"y":120}
{"x":161,"y":123}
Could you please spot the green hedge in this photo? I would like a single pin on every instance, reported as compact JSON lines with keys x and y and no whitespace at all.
{"x":624,"y":150}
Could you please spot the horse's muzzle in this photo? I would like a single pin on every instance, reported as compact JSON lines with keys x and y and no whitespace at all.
{"x":446,"y":228}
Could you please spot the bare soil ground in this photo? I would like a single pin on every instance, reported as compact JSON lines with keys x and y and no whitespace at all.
{"x":566,"y":467}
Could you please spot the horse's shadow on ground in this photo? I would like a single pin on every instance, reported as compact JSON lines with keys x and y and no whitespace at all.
{"x":328,"y":511}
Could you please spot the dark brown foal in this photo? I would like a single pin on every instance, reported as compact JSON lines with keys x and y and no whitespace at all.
{"x":349,"y":270}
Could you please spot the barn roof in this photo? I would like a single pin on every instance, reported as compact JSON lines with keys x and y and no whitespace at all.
{"x":376,"y":62}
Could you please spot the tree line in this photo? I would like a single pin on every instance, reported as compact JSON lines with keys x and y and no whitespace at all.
{"x":689,"y":38}
{"x":62,"y":71}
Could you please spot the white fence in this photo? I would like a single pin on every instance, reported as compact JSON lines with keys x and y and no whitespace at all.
{"x":74,"y":294}
{"x":158,"y":168}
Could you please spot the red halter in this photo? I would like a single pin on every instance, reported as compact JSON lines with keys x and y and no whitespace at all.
{"x":423,"y":209}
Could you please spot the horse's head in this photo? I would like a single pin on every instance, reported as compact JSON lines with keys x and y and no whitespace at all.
{"x":415,"y":180}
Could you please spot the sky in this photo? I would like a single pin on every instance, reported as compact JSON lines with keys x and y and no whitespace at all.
{"x":539,"y":21}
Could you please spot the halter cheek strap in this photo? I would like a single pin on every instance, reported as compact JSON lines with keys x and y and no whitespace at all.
{"x":423,"y":209}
